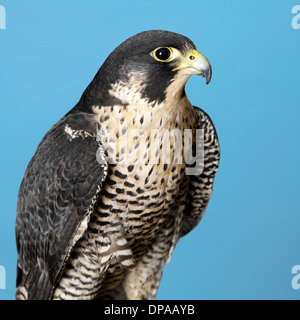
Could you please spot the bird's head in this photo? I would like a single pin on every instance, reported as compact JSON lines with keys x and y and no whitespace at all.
{"x":147,"y":64}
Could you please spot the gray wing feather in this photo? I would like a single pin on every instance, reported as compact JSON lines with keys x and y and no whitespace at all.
{"x":55,"y":200}
{"x":201,"y":186}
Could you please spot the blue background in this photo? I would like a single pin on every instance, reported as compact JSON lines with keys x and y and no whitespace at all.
{"x":248,"y":240}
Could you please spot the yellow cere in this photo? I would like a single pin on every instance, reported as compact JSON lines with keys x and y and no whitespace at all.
{"x":188,"y":59}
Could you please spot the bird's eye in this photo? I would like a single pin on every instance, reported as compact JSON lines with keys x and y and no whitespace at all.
{"x":162,"y":54}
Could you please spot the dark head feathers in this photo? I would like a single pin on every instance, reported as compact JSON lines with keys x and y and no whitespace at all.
{"x":147,"y":41}
{"x":133,"y":56}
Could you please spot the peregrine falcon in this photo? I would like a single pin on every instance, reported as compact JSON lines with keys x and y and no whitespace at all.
{"x":116,"y":182}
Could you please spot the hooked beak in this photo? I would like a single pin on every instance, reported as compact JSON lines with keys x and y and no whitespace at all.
{"x":196,"y":63}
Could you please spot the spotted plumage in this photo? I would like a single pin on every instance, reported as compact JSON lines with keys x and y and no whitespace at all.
{"x":108,"y":193}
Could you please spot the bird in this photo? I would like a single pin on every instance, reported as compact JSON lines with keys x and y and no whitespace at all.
{"x":119,"y":179}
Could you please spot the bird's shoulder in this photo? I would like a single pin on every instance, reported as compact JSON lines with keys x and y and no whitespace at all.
{"x":56,"y":197}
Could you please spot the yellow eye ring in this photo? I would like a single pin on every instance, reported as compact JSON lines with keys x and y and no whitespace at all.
{"x":162,"y":54}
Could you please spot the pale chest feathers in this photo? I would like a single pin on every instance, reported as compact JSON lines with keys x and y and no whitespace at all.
{"x":145,"y":153}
